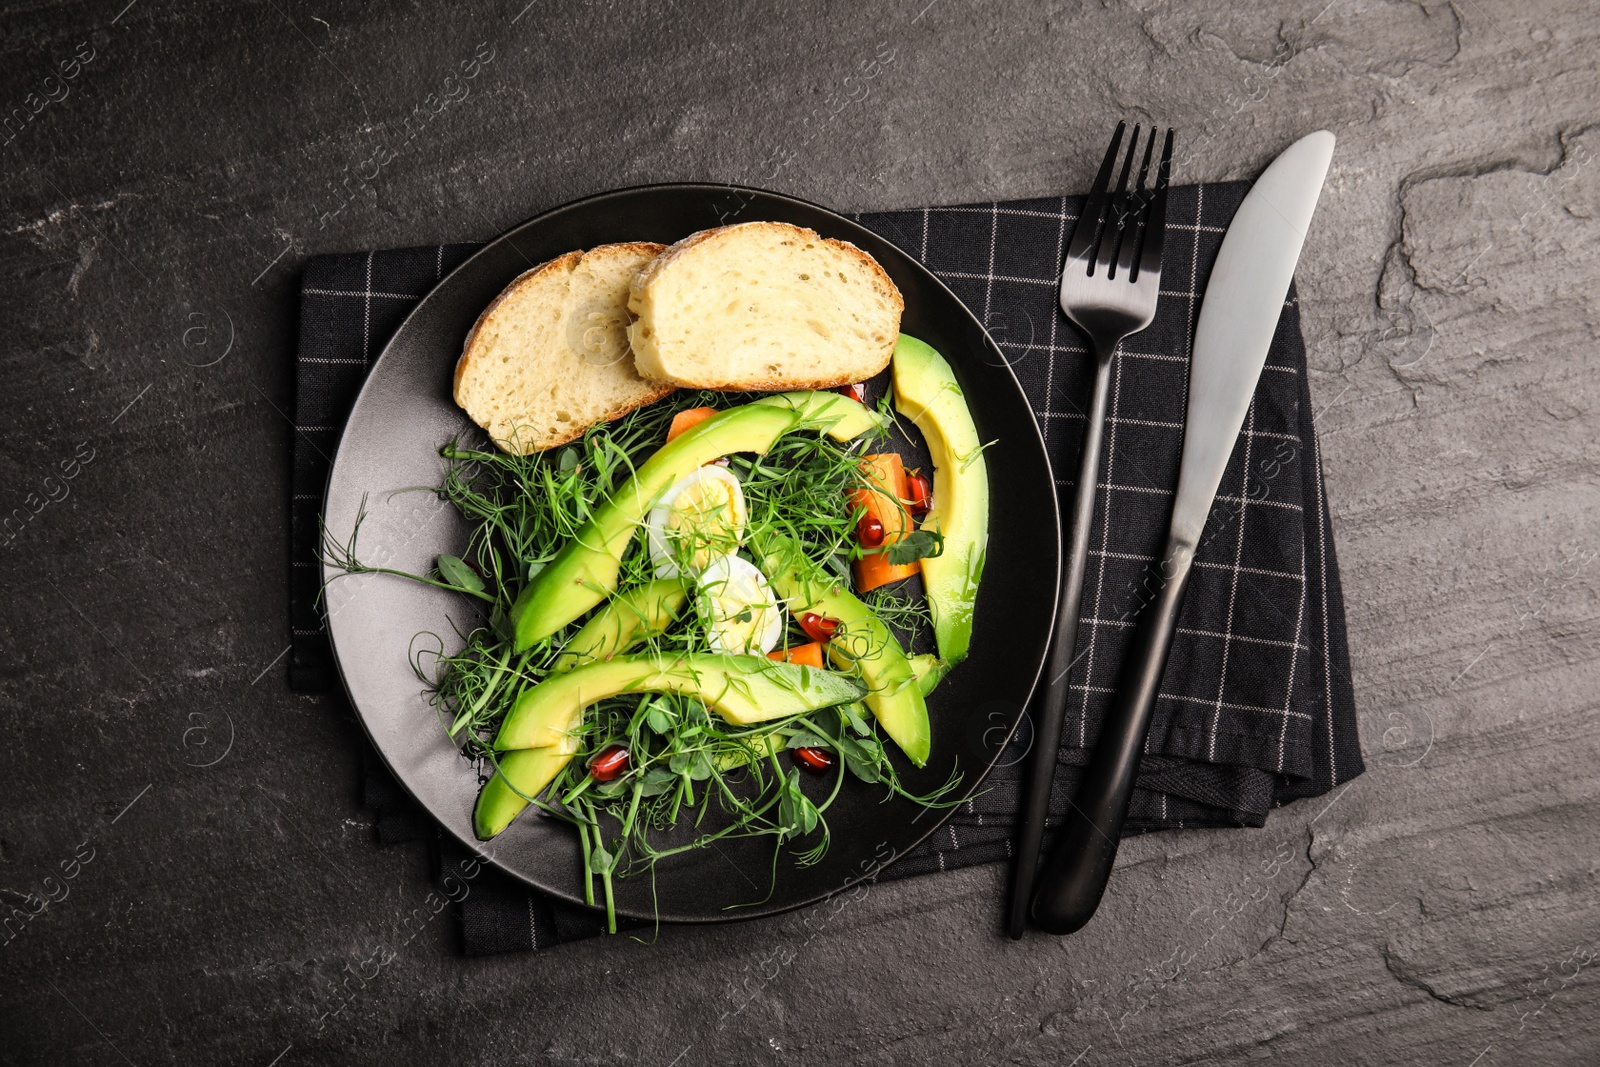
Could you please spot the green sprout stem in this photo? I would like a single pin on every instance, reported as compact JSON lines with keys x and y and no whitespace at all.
{"x":683,"y":759}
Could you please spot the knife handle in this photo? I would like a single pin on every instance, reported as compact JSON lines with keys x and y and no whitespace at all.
{"x":1074,"y":878}
{"x":1050,"y":706}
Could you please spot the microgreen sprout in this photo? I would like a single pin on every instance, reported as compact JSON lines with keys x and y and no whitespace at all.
{"x":683,"y":761}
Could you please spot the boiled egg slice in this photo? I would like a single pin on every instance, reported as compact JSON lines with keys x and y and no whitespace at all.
{"x":738,"y":607}
{"x":699,"y":519}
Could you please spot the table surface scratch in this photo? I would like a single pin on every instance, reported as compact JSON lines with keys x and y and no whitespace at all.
{"x":209,"y":885}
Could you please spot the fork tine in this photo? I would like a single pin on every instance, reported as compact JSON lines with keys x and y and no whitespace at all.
{"x":1085,"y":233}
{"x":1156,"y":225}
{"x":1140,"y":211}
{"x":1118,"y":216}
{"x":1144,"y":167}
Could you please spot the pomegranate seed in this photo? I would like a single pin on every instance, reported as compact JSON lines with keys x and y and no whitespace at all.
{"x":609,"y":764}
{"x":818,"y":627}
{"x":720,"y":461}
{"x":856,"y":392}
{"x":869,"y":531}
{"x":919,"y":494}
{"x":815,"y":760}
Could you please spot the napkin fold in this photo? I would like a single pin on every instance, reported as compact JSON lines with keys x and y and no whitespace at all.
{"x":1256,"y":707}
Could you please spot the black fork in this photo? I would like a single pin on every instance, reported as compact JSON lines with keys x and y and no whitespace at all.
{"x":1109,"y":289}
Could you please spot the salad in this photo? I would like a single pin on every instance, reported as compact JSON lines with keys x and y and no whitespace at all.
{"x":705,"y":605}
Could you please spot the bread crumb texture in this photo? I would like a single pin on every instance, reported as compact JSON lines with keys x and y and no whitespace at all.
{"x":550,"y":357}
{"x":763,"y":305}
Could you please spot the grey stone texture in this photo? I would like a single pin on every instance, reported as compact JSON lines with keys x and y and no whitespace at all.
{"x":157,"y":198}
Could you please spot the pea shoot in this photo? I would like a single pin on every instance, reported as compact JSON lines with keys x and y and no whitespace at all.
{"x":667,"y":762}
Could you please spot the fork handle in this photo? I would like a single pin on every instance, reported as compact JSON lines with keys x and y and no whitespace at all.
{"x":1075,"y":877}
{"x":1050,"y":708}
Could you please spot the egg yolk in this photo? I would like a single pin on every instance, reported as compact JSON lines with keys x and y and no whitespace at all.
{"x":738,"y":619}
{"x":703,"y":523}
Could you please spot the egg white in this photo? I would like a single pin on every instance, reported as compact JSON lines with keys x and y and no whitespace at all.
{"x":728,"y":588}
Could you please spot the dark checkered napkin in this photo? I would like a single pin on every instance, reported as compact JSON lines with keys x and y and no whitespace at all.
{"x":349,"y":306}
{"x":1256,"y":705}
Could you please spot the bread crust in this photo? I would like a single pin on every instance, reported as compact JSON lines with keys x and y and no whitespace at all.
{"x":880,"y":282}
{"x":644,"y":248}
{"x":615,"y":413}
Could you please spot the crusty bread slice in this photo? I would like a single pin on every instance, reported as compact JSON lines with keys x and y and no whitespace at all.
{"x":549,"y":357}
{"x":763,"y":305}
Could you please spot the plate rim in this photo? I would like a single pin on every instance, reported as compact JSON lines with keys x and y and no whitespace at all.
{"x":574,"y":898}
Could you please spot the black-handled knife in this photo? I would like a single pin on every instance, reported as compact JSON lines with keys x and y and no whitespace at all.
{"x":1238,"y":315}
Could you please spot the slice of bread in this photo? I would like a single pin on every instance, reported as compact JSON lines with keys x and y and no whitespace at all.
{"x":763,"y":305}
{"x":549,"y":357}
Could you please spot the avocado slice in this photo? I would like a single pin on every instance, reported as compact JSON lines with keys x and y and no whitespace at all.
{"x":925,"y":390}
{"x":863,"y":644}
{"x":628,"y":620}
{"x":742,"y":689}
{"x":585,"y":570}
{"x":632,"y":617}
{"x":529,"y":770}
{"x":761,"y":747}
{"x":929,"y":670}
{"x":835,"y":414}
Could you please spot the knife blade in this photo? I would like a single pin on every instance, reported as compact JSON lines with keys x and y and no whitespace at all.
{"x":1238,"y":316}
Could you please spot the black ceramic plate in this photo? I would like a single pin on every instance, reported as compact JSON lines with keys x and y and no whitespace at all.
{"x":391,"y":443}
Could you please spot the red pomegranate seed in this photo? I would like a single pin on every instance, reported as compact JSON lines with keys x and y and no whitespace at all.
{"x":856,"y":392}
{"x":815,"y":760}
{"x":919,"y":494}
{"x":818,"y":627}
{"x":609,"y":764}
{"x":870,"y":531}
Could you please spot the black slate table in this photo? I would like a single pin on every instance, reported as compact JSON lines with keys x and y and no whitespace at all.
{"x":213,"y":880}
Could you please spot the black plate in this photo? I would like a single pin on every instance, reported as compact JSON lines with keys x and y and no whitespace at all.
{"x":404,"y":414}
